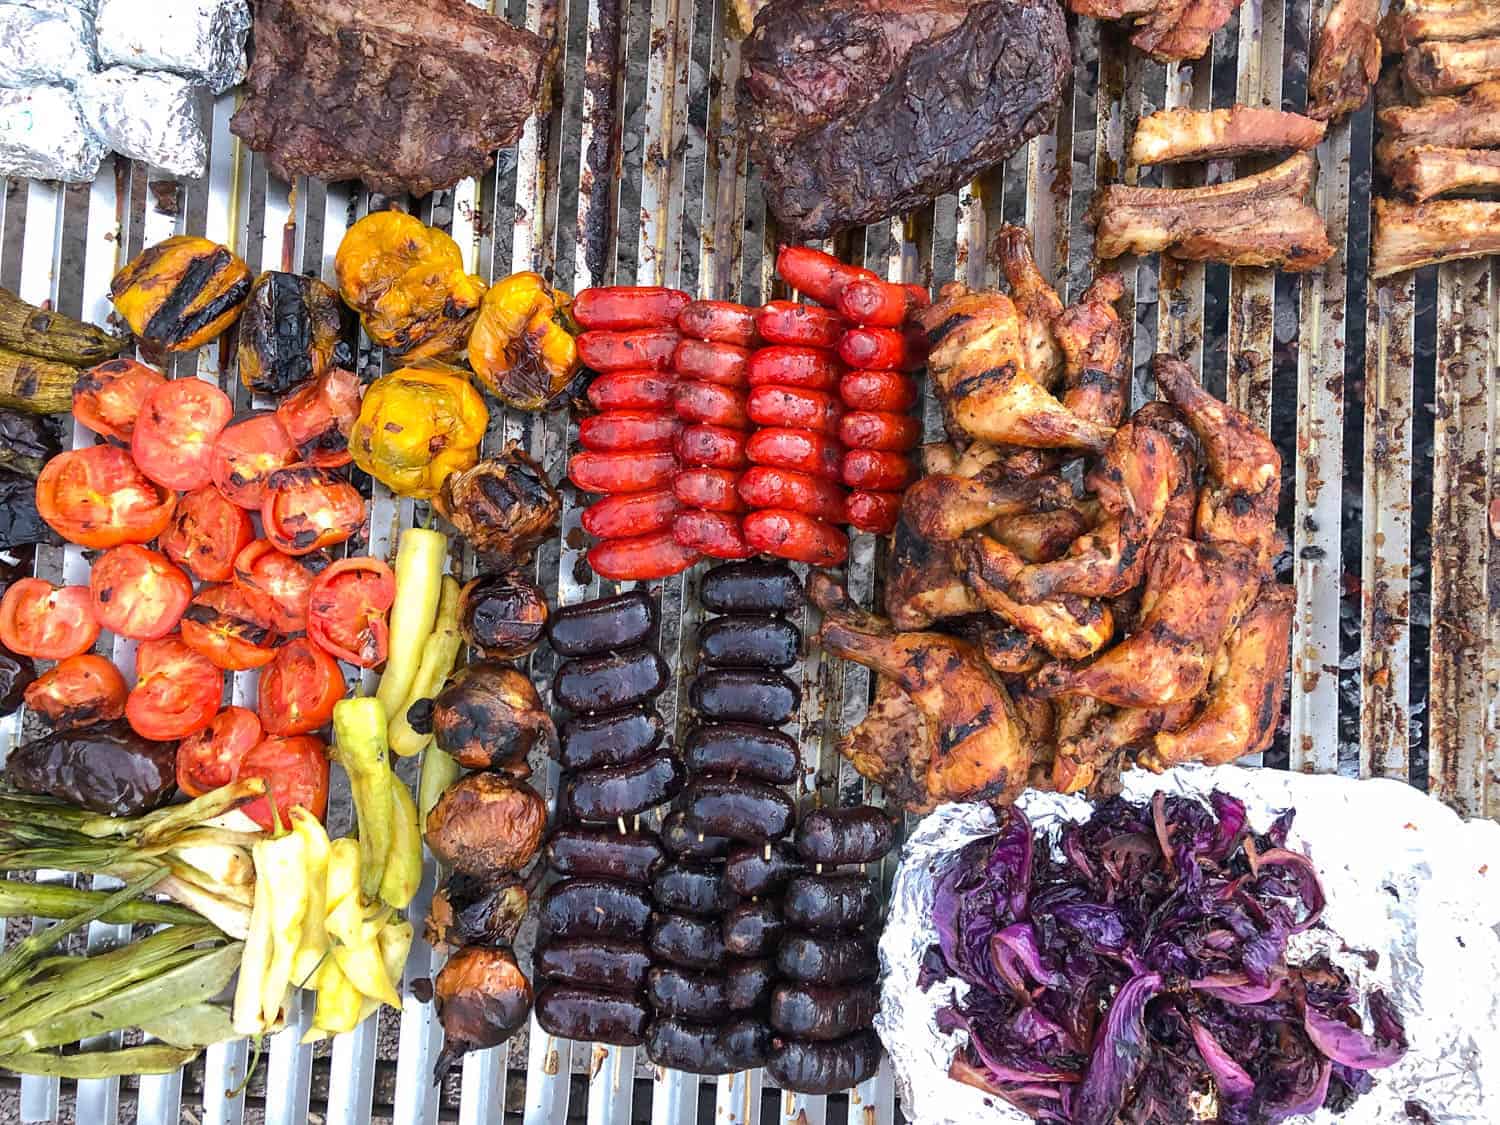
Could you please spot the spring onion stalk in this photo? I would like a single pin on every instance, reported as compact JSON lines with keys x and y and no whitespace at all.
{"x":53,"y":900}
{"x":420,"y":556}
{"x":154,"y":1058}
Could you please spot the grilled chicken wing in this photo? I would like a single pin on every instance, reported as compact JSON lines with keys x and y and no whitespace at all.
{"x":892,"y":747}
{"x":943,"y":507}
{"x":924,"y":585}
{"x":980,"y":751}
{"x":1346,"y":62}
{"x":1068,"y":627}
{"x":1092,"y":339}
{"x":1040,"y":537}
{"x":1036,"y":301}
{"x":1195,"y":594}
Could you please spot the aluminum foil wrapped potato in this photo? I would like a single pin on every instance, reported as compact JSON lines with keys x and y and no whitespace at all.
{"x":203,"y":40}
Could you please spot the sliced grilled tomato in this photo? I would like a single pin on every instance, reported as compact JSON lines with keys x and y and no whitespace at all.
{"x":174,"y":437}
{"x":206,"y":534}
{"x":78,"y":692}
{"x":176,"y":693}
{"x":211,"y":757}
{"x":298,"y":689}
{"x":96,"y":497}
{"x":138,"y":593}
{"x":309,"y":508}
{"x":46,"y":621}
{"x":280,"y":582}
{"x":346,"y":612}
{"x":296,"y":772}
{"x":226,"y":625}
{"x":320,"y":415}
{"x":109,"y":398}
{"x":246,"y":455}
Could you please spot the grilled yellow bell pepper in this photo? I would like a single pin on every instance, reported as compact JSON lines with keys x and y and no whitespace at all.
{"x":181,"y":293}
{"x":522,"y":347}
{"x":416,"y":427}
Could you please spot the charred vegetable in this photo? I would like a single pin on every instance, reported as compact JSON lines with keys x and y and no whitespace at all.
{"x":407,"y":282}
{"x":504,"y":506}
{"x":522,"y":348}
{"x":503,"y":615}
{"x":490,"y":716}
{"x":17,"y":673}
{"x":288,"y":333}
{"x":416,"y":427}
{"x":483,"y":998}
{"x":106,"y":769}
{"x":30,"y":330}
{"x":181,"y":293}
{"x":20,"y":522}
{"x":38,"y":386}
{"x":26,"y":442}
{"x":470,"y":911}
{"x":485,"y":825}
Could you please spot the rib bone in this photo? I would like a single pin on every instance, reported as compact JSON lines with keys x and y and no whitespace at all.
{"x":1411,"y":235}
{"x":1419,"y":20}
{"x":1447,"y":68}
{"x":1346,"y":62}
{"x":1470,"y":121}
{"x":1424,"y":172}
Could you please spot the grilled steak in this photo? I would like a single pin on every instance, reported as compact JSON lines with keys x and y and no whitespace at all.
{"x":406,"y":95}
{"x":863,"y":109}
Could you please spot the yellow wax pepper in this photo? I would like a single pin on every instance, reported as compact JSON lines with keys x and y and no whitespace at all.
{"x":416,"y":427}
{"x":522,"y":347}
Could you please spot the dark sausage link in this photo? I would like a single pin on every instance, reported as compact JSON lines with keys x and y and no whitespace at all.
{"x":593,"y":908}
{"x":616,"y":966}
{"x":749,"y":642}
{"x":684,"y":940}
{"x":605,"y":853}
{"x":822,"y":1012}
{"x":684,"y":840}
{"x":739,"y":809}
{"x":830,"y":903}
{"x":610,"y":792}
{"x":744,"y":749}
{"x":834,"y":960}
{"x":604,"y":625}
{"x":687,"y":995}
{"x":752,"y":929}
{"x":861,"y":834}
{"x":745,"y":695}
{"x":824,"y":1068}
{"x":690,"y":888}
{"x":604,"y":683}
{"x":591,"y":1015}
{"x":693,"y":1047}
{"x":611,"y":738}
{"x":752,"y":587}
{"x":754,"y":874}
{"x":747,"y":1042}
{"x":747,"y":984}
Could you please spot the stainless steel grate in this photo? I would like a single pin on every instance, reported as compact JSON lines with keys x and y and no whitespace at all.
{"x":1383,"y":400}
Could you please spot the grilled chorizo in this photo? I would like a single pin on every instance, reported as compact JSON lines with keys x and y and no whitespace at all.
{"x":746,"y":749}
{"x":593,"y":908}
{"x":619,"y":966}
{"x":697,"y":401}
{"x":713,"y":490}
{"x":717,"y":447}
{"x":610,"y":792}
{"x":861,"y":834}
{"x":631,"y":390}
{"x":877,"y":470}
{"x":800,"y":450}
{"x":621,"y":308}
{"x":738,"y":808}
{"x":651,"y":348}
{"x":764,"y":486}
{"x":723,"y":364}
{"x":888,"y":391}
{"x":604,"y":625}
{"x":876,"y":349}
{"x":603,"y":683}
{"x":619,"y":430}
{"x":639,"y":470}
{"x":792,"y":535}
{"x":745,"y":695}
{"x":684,"y":940}
{"x":823,"y":1012}
{"x":821,"y":276}
{"x":875,"y":429}
{"x":785,"y":366}
{"x":641,"y":557}
{"x":795,"y":407}
{"x":809,"y":326}
{"x":591,"y":1015}
{"x":875,"y":303}
{"x":723,"y":321}
{"x":875,"y":512}
{"x":630,"y":513}
{"x":829,"y":903}
{"x":715,"y":534}
{"x":605,"y":853}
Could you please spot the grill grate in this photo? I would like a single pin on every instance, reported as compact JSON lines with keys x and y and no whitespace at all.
{"x":1383,"y":402}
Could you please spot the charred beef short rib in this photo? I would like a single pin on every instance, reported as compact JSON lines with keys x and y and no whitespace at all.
{"x":406,"y":95}
{"x":863,"y":109}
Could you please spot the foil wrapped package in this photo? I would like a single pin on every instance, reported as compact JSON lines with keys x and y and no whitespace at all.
{"x":45,"y":42}
{"x":147,"y":115}
{"x":1405,"y":878}
{"x":201,"y":39}
{"x":43,"y":135}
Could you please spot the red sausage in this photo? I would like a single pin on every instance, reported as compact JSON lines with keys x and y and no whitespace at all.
{"x":708,"y":402}
{"x":791,"y":535}
{"x":634,"y":471}
{"x":766,"y":487}
{"x":787,"y":322}
{"x":873,"y":511}
{"x":794,"y":407}
{"x":821,"y":276}
{"x":889,"y":391}
{"x":873,"y":348}
{"x":724,"y":321}
{"x":717,"y":447}
{"x":875,"y":303}
{"x":869,"y":429}
{"x":800,"y":450}
{"x":785,"y":366}
{"x":716,"y":534}
{"x":631,"y":390}
{"x":713,"y":490}
{"x":628,"y":429}
{"x":877,"y":471}
{"x":641,"y":557}
{"x":630,"y":513}
{"x":624,"y":307}
{"x":620,"y":351}
{"x":713,"y":362}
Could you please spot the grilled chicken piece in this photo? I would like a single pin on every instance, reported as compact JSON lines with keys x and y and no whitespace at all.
{"x":1182,"y":509}
{"x":1008,"y":651}
{"x":1411,"y":235}
{"x":1036,"y":301}
{"x":1423,"y":172}
{"x":1181,"y":29}
{"x":924,"y":585}
{"x":1239,"y":500}
{"x":1081,"y":758}
{"x":1346,"y":61}
{"x":1092,"y":339}
{"x":1068,"y":627}
{"x":892,"y":747}
{"x":1447,"y":68}
{"x":1416,"y":21}
{"x":1040,"y":537}
{"x":943,"y":507}
{"x":1195,"y":594}
{"x":1175,"y":136}
{"x":977,"y":363}
{"x":1243,"y":707}
{"x":1471,"y":120}
{"x":980,"y":751}
{"x":1260,"y":220}
{"x":1012,"y":461}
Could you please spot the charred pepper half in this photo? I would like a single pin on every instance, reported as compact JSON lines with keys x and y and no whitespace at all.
{"x":288,"y":332}
{"x":522,"y":348}
{"x":417,"y":427}
{"x":181,"y":293}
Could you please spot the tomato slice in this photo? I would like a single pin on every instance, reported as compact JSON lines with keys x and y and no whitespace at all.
{"x":226,"y":625}
{"x":78,"y":692}
{"x":246,"y":455}
{"x":309,"y":508}
{"x":138,"y":593}
{"x":280,"y":583}
{"x":177,"y":690}
{"x":296,"y":771}
{"x":174,"y":437}
{"x":299,"y":688}
{"x":211,"y":757}
{"x":320,"y":415}
{"x":46,"y":621}
{"x":207,"y":532}
{"x":96,"y":497}
{"x":109,"y":398}
{"x":347,"y":609}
